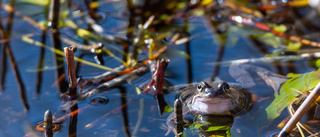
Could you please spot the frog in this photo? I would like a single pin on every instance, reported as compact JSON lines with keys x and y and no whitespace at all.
{"x":211,"y":98}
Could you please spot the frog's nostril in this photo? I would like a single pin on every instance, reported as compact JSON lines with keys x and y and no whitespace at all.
{"x":212,"y":94}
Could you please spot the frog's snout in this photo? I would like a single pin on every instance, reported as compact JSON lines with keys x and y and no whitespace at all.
{"x":215,"y":92}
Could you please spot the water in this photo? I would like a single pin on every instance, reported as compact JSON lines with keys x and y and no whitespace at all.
{"x":140,"y":113}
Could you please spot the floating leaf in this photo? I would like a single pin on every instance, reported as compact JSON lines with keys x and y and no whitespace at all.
{"x":199,"y":13}
{"x":198,"y":124}
{"x":83,"y":32}
{"x":270,"y":39}
{"x":206,"y":2}
{"x":280,"y":28}
{"x":167,"y":109}
{"x":35,"y":2}
{"x":294,"y":45}
{"x":298,"y":82}
{"x":138,"y":91}
{"x":216,"y":128}
{"x":315,"y":63}
{"x":70,"y":24}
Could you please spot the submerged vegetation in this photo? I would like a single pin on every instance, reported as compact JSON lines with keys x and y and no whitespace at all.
{"x":84,"y":52}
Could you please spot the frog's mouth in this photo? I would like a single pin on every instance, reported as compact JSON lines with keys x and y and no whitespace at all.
{"x":218,"y":105}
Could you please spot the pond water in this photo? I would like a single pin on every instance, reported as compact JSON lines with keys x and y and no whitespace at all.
{"x":124,"y":108}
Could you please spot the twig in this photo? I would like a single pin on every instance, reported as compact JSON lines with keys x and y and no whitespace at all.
{"x":304,"y":107}
{"x":73,"y":121}
{"x":292,"y":111}
{"x":54,"y":13}
{"x":140,"y":36}
{"x":178,"y":118}
{"x":161,"y":66}
{"x":270,"y":59}
{"x":71,"y":70}
{"x":54,"y":20}
{"x":114,"y":82}
{"x":157,"y":82}
{"x":112,"y":75}
{"x":47,"y":124}
{"x":92,"y":8}
{"x":115,"y":78}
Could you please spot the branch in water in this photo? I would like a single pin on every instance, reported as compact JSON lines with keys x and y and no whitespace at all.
{"x":71,"y":70}
{"x":304,"y":107}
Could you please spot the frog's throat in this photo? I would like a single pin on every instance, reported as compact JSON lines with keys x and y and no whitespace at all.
{"x":210,"y":106}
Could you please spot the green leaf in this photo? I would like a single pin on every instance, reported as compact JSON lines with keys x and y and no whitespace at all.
{"x":280,"y":28}
{"x":35,"y":2}
{"x":167,"y":109}
{"x":270,"y":39}
{"x":216,"y":128}
{"x":294,"y":45}
{"x":138,"y":91}
{"x":315,"y":63}
{"x":83,"y":32}
{"x":196,"y":125}
{"x":288,"y":91}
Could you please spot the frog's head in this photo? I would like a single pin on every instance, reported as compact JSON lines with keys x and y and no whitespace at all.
{"x":217,"y":99}
{"x":213,"y":90}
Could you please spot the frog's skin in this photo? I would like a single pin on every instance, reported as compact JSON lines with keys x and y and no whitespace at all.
{"x":211,"y":99}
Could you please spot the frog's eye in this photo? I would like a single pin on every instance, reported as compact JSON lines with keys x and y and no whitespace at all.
{"x":223,"y":86}
{"x":201,"y":86}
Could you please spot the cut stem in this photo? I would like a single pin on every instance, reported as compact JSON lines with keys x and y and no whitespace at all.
{"x":71,"y":71}
{"x":304,"y":107}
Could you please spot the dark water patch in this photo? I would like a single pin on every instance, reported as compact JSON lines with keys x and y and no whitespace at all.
{"x":98,"y":100}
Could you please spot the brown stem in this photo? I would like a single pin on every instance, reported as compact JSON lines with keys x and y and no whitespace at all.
{"x":111,"y":76}
{"x":157,"y":81}
{"x":92,"y":10}
{"x":178,"y":117}
{"x":73,"y":121}
{"x":54,"y":10}
{"x":62,"y":85}
{"x":304,"y":107}
{"x":71,"y":71}
{"x":47,"y":124}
